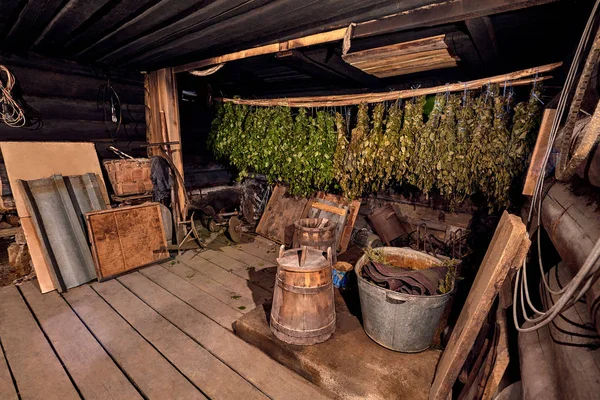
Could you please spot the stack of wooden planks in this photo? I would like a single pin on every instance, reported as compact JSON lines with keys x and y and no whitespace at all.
{"x":403,"y":58}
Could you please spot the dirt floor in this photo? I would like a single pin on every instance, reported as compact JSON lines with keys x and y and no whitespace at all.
{"x":7,"y":273}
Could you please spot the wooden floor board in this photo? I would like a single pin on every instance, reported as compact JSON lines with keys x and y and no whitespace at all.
{"x":208,"y":305}
{"x":267,"y":252}
{"x":272,"y":378}
{"x":233,"y":299}
{"x":7,"y":388}
{"x":262,"y":277}
{"x":240,"y":253}
{"x":222,"y":275}
{"x":208,"y":373}
{"x":37,"y":371}
{"x":76,"y":347}
{"x":151,"y":372}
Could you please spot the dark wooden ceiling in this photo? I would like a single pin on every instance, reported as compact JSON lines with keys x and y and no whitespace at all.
{"x":149,"y":34}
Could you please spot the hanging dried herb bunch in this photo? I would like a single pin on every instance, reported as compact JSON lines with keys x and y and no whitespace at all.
{"x":470,"y":143}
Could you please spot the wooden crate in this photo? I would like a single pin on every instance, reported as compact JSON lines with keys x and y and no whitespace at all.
{"x":126,"y":238}
{"x":129,"y":177}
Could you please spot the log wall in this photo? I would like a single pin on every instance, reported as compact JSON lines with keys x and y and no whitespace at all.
{"x":572,"y":219}
{"x":65,"y":94}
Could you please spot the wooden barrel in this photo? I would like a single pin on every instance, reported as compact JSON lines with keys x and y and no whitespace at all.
{"x":318,"y":233}
{"x":303,"y":311}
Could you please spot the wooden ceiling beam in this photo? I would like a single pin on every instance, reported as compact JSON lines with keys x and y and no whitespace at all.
{"x":301,"y":62}
{"x":484,"y":38}
{"x":446,"y":12}
{"x":31,"y":21}
{"x":311,"y":40}
{"x":435,"y":14}
{"x":269,"y":21}
{"x":70,"y":17}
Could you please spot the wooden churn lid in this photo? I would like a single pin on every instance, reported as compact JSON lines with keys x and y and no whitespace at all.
{"x":303,"y":259}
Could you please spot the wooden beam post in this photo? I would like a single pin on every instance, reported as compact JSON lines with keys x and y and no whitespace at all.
{"x":161,"y":96}
{"x":507,"y":250}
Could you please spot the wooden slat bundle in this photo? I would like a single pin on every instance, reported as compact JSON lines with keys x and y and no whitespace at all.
{"x":403,"y":58}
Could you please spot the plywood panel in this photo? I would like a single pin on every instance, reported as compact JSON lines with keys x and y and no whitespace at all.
{"x":42,"y":268}
{"x":126,"y":238}
{"x":277,"y":221}
{"x":37,"y":371}
{"x":36,"y":160}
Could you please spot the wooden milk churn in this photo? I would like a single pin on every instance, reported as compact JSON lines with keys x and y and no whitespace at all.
{"x":319,"y":233}
{"x":303,"y":310}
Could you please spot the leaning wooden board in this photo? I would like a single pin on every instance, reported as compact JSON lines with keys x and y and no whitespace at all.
{"x":353,"y":208}
{"x":539,"y":151}
{"x":507,"y":250}
{"x":65,"y":158}
{"x":277,"y":221}
{"x":319,"y":208}
{"x":126,"y":238}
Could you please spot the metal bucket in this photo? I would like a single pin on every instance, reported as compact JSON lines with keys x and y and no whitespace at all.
{"x":398,"y":321}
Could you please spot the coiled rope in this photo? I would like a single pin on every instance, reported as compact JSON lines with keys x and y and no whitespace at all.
{"x":11,"y":112}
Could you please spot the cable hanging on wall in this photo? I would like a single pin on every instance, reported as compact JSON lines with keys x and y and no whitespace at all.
{"x":586,"y":276}
{"x":110,"y":105}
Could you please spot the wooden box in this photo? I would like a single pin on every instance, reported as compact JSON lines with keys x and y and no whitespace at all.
{"x":129,"y":177}
{"x":126,"y":238}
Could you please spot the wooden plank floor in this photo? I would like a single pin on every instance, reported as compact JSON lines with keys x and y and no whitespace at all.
{"x":163,"y":332}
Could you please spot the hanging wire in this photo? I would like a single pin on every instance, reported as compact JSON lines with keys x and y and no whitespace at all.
{"x":110,"y":105}
{"x":573,"y":291}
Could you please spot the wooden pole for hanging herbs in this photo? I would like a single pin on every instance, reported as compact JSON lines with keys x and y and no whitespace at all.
{"x":517,"y":78}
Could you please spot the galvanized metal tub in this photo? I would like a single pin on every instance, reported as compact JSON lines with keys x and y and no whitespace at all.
{"x":398,"y":321}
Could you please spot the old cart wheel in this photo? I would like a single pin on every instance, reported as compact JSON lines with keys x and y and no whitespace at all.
{"x":235,"y":229}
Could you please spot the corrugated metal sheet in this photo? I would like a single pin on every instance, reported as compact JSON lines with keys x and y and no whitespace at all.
{"x":57,"y":205}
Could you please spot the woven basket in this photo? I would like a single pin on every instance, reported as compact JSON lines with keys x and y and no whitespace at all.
{"x":129,"y":177}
